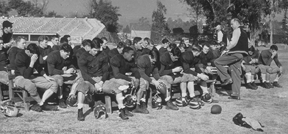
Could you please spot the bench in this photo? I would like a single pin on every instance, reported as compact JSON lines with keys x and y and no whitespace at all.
{"x":23,"y":98}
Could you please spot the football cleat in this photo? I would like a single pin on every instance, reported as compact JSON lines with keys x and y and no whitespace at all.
{"x":182,"y":103}
{"x":80,"y":115}
{"x":194,"y":103}
{"x":122,"y":114}
{"x":171,"y":106}
{"x":156,"y":102}
{"x":127,"y":112}
{"x":62,"y":103}
{"x":207,"y":98}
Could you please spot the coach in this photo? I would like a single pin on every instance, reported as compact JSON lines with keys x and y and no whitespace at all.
{"x":232,"y":56}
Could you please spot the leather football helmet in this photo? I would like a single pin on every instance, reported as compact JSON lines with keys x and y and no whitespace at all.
{"x":100,"y":111}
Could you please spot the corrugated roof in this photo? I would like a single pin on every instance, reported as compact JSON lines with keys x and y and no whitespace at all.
{"x":86,"y":28}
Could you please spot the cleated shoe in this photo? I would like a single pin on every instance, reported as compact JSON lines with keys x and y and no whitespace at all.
{"x":171,"y":106}
{"x":80,"y":115}
{"x":122,"y":114}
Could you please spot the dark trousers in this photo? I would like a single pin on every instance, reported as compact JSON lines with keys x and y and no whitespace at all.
{"x":233,"y":61}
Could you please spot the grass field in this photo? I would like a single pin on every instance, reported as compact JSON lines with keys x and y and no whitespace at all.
{"x":269,"y":106}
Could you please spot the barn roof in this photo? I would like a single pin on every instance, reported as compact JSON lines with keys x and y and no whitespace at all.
{"x":86,"y":28}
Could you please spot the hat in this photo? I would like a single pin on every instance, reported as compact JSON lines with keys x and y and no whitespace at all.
{"x":7,"y":23}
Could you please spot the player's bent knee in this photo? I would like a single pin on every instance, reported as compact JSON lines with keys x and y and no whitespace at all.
{"x":31,"y":89}
{"x":83,"y":87}
{"x":270,"y":70}
{"x":167,"y":78}
{"x":53,"y":86}
{"x":59,"y":79}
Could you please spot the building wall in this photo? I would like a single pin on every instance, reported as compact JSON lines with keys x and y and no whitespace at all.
{"x":142,"y":34}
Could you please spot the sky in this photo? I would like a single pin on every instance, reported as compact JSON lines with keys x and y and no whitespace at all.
{"x":131,"y":10}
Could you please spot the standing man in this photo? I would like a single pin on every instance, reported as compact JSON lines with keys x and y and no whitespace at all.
{"x":220,"y":37}
{"x":6,"y":41}
{"x":7,"y":34}
{"x":3,"y":63}
{"x":232,"y":56}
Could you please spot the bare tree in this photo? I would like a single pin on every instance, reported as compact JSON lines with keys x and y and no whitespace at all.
{"x":42,"y":4}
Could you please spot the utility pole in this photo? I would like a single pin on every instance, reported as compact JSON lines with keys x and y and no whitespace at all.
{"x":271,"y":21}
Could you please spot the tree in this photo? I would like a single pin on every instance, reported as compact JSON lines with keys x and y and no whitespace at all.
{"x":144,"y":21}
{"x":105,"y":12}
{"x":196,"y":9}
{"x":248,"y":11}
{"x":42,"y":5}
{"x":3,"y":8}
{"x":284,"y":22}
{"x":159,"y":26}
{"x":178,"y":30}
{"x":52,"y":14}
{"x":127,"y":29}
{"x":194,"y":32}
{"x":25,"y":8}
